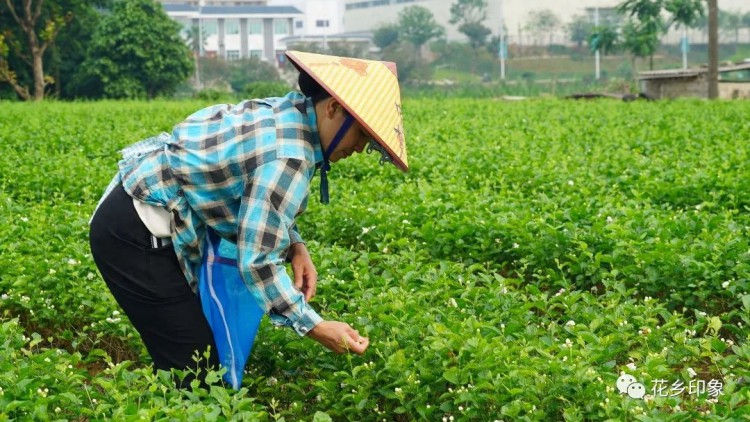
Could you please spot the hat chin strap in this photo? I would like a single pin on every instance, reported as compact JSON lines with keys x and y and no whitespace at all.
{"x":348,"y":120}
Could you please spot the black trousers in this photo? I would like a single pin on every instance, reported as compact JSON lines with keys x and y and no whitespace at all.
{"x":150,"y":287}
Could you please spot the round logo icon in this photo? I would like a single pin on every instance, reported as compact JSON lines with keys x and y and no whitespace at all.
{"x":624,"y":381}
{"x":636,"y":390}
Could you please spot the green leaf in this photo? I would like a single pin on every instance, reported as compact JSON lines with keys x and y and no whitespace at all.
{"x":451,"y":375}
{"x":321,"y":417}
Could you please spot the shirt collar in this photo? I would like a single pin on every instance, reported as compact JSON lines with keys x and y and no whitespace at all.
{"x":312,"y":121}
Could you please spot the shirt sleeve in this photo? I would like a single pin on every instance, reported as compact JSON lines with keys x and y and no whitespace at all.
{"x":294,"y":235}
{"x":273,"y":195}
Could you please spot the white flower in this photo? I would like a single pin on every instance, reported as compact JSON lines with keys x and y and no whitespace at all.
{"x":515,"y":246}
{"x":405,"y":222}
{"x":460,"y":408}
{"x":52,"y":271}
{"x":452,"y":303}
{"x":24,"y":219}
{"x":571,"y":183}
{"x":4,"y":296}
{"x":365,"y":230}
{"x":631,"y":366}
{"x":691,"y":372}
{"x":90,"y":276}
{"x":725,"y":284}
{"x":385,"y":250}
{"x":570,"y":323}
{"x":610,"y":219}
{"x":115,"y":313}
{"x":72,"y":261}
{"x":58,"y":410}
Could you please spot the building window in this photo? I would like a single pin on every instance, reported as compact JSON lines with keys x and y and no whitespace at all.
{"x":280,"y":26}
{"x":231,"y":27}
{"x":258,"y":54}
{"x":322,"y":23}
{"x":298,"y":24}
{"x":233,"y":54}
{"x":254,"y":27}
{"x":210,"y":27}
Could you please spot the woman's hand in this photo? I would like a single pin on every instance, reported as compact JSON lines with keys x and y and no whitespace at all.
{"x":339,"y":337}
{"x":305,"y":276}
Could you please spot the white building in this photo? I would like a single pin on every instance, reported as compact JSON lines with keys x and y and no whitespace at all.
{"x":238,"y":31}
{"x":319,"y":17}
{"x":322,"y":24}
{"x":367,"y":15}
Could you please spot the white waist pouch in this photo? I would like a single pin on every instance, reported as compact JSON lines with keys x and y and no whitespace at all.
{"x":157,"y":219}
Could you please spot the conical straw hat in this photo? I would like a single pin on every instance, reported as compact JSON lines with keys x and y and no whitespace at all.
{"x":368,"y":90}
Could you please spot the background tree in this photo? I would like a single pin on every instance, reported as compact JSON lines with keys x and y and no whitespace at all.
{"x":543,"y":22}
{"x":641,"y":35}
{"x":469,"y":15}
{"x":385,"y":35}
{"x":605,"y":39}
{"x":746,"y":24}
{"x":68,"y":50}
{"x":730,"y":22}
{"x":137,"y":52}
{"x":196,"y":39}
{"x":640,"y":42}
{"x":685,"y":13}
{"x":249,"y":71}
{"x":29,"y":29}
{"x":417,"y":25}
{"x":580,"y":29}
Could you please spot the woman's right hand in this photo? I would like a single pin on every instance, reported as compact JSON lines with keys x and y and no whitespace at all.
{"x":339,"y":337}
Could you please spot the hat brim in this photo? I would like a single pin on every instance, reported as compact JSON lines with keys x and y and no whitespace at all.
{"x":368,"y":90}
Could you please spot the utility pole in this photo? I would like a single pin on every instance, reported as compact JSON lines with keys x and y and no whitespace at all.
{"x":713,"y":49}
{"x":596,"y":54}
{"x":503,"y":52}
{"x":684,"y":46}
{"x":200,"y":42}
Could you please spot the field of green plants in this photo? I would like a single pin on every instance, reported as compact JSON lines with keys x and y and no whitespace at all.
{"x":535,"y":252}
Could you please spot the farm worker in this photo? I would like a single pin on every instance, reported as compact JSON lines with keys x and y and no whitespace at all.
{"x":242,"y":171}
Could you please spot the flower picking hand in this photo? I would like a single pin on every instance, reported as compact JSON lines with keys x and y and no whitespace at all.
{"x":305,"y":276}
{"x":339,"y":337}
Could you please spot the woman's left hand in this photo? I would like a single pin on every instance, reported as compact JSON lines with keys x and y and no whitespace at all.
{"x":305,"y":276}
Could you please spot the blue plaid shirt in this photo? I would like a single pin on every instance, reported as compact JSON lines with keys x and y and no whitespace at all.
{"x":244,"y":170}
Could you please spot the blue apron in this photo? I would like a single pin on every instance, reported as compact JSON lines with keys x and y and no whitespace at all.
{"x":229,"y":307}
